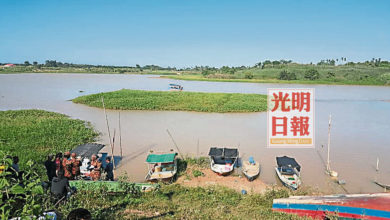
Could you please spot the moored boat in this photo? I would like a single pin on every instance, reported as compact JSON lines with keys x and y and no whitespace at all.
{"x":161,"y":166}
{"x":175,"y":87}
{"x":251,"y":169}
{"x":288,"y":171}
{"x":352,"y":206}
{"x":223,"y":160}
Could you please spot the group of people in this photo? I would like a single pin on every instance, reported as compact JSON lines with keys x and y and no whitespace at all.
{"x":70,"y":164}
{"x":66,"y":167}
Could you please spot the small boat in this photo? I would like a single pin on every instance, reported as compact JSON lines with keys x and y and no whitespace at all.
{"x":351,"y":206}
{"x":223,"y":160}
{"x":175,"y":87}
{"x":288,"y":171}
{"x":251,"y":169}
{"x":161,"y":167}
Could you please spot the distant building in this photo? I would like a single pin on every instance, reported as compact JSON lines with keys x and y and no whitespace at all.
{"x":9,"y":65}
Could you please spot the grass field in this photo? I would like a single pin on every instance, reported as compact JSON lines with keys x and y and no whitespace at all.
{"x":33,"y":134}
{"x":176,"y":101}
{"x":358,"y":74}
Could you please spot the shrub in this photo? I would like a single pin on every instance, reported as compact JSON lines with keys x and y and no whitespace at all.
{"x":206,"y":72}
{"x":330,"y":75}
{"x":21,"y":193}
{"x":248,"y":76}
{"x":312,"y":74}
{"x":197,"y":173}
{"x":284,"y":75}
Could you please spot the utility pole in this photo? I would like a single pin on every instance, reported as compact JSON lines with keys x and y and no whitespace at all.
{"x":328,"y":162}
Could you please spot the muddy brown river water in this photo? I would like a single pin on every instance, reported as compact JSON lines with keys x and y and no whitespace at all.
{"x":360,"y":132}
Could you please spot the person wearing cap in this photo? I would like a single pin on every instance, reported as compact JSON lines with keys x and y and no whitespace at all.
{"x":50,"y":167}
{"x":67,"y":165}
{"x":76,"y":163}
{"x":95,"y":174}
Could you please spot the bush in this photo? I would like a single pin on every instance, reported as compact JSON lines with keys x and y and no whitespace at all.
{"x":22,"y":194}
{"x":206,"y":72}
{"x":284,"y":75}
{"x":312,"y":74}
{"x":330,"y":75}
{"x":248,"y":76}
{"x":197,"y":173}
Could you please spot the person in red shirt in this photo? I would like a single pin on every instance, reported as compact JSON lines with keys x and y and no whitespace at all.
{"x":95,"y":174}
{"x":67,"y":165}
{"x":75,"y":166}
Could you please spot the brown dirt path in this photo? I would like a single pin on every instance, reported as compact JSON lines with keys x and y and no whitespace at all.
{"x":233,"y":181}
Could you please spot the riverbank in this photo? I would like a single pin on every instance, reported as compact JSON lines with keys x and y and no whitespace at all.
{"x":198,"y":77}
{"x":374,"y":72}
{"x":176,"y":101}
{"x":32,"y":134}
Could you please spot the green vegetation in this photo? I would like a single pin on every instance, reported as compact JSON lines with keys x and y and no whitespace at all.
{"x":33,"y":134}
{"x":197,"y":173}
{"x":52,"y":66}
{"x":178,"y":202}
{"x":16,"y":200}
{"x":374,"y":72}
{"x":329,"y":71}
{"x":176,"y":101}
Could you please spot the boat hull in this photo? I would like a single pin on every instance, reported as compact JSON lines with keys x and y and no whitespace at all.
{"x":356,"y":206}
{"x":222,"y":171}
{"x":250,"y":171}
{"x":287,"y":183}
{"x":251,"y":178}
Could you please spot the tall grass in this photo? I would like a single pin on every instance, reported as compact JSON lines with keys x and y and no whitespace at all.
{"x":177,"y":101}
{"x":32,"y":134}
{"x":178,"y":202}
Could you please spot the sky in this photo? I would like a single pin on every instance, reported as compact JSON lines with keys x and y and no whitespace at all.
{"x":184,"y":33}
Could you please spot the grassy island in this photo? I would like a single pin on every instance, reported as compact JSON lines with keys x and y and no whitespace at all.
{"x":176,"y":101}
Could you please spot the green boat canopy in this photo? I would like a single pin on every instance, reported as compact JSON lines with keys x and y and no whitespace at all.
{"x":161,"y":158}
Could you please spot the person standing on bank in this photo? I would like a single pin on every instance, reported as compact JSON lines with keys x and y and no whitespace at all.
{"x":76,"y":163}
{"x":95,"y":174}
{"x":67,"y":165}
{"x":60,"y":186}
{"x":109,"y":169}
{"x":50,"y":167}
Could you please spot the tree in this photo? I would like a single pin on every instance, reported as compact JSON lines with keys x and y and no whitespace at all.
{"x":284,"y":75}
{"x":35,"y":63}
{"x":206,"y":72}
{"x":312,"y":74}
{"x":26,"y":63}
{"x":226,"y":69}
{"x":258,"y":65}
{"x":267,"y":62}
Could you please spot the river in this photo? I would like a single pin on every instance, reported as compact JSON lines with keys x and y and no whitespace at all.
{"x":360,"y":128}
